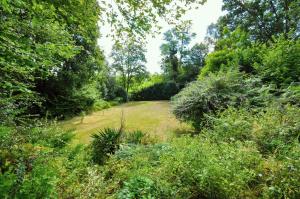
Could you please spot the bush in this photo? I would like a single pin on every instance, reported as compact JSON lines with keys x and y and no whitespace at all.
{"x":135,"y":137}
{"x":215,"y":93}
{"x":219,"y":60}
{"x":159,"y":91}
{"x":38,"y":162}
{"x":273,"y":130}
{"x":235,"y":50}
{"x":110,"y":90}
{"x":187,"y":168}
{"x":199,"y":168}
{"x":246,"y":154}
{"x":100,"y":105}
{"x":139,"y":187}
{"x":105,"y":143}
{"x":131,"y":162}
{"x":282,"y":177}
{"x":281,"y":63}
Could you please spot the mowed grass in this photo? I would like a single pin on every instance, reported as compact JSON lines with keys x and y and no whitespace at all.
{"x":152,"y":117}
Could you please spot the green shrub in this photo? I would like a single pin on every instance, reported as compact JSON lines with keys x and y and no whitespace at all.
{"x":281,"y":63}
{"x":131,"y":162}
{"x":278,"y":128}
{"x":135,"y":137}
{"x":104,"y":144}
{"x":158,"y":91}
{"x":148,"y":82}
{"x":187,"y":168}
{"x":274,"y":130}
{"x":40,"y":183}
{"x":100,"y":105}
{"x":38,"y":162}
{"x":140,"y":187}
{"x":235,"y":50}
{"x":139,"y":137}
{"x":42,"y":134}
{"x":110,"y":90}
{"x":199,"y":168}
{"x":215,"y":93}
{"x":62,"y":108}
{"x":282,"y":177}
{"x":52,"y":136}
{"x":219,"y":60}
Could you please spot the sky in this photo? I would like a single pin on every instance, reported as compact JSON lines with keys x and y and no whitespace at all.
{"x":201,"y":19}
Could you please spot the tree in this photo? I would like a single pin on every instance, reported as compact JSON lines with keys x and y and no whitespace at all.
{"x":48,"y":51}
{"x":280,"y":63}
{"x":233,"y":50}
{"x":213,"y":34}
{"x":262,"y":18}
{"x":181,"y":63}
{"x":194,"y":61}
{"x":128,"y":61}
{"x":139,"y":17}
{"x":175,"y":49}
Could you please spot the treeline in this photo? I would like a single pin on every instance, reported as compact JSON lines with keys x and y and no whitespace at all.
{"x":180,"y":64}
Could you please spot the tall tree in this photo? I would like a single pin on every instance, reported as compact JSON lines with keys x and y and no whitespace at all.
{"x":48,"y":49}
{"x":128,"y":61}
{"x":262,"y":18}
{"x":194,"y":61}
{"x":213,"y":34}
{"x":175,"y":49}
{"x":62,"y":90}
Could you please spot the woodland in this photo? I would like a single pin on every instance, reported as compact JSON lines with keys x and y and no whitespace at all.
{"x":237,"y":93}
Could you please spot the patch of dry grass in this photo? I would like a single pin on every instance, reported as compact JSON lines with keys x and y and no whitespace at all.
{"x":153,"y":117}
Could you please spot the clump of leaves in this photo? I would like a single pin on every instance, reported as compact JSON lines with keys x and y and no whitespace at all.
{"x":281,"y":63}
{"x":105,"y":143}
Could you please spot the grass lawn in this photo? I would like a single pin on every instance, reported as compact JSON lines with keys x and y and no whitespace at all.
{"x":153,"y":117}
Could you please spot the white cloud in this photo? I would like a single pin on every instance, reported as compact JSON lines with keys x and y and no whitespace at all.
{"x":201,"y":19}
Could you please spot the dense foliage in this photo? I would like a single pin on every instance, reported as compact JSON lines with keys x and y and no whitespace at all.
{"x":215,"y":93}
{"x":280,"y":62}
{"x":48,"y":52}
{"x":38,"y":162}
{"x":234,"y":50}
{"x":180,"y":63}
{"x":158,"y":91}
{"x":239,"y":157}
{"x":262,"y":19}
{"x":244,"y":105}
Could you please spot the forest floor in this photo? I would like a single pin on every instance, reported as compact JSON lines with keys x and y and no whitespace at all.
{"x":152,"y":117}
